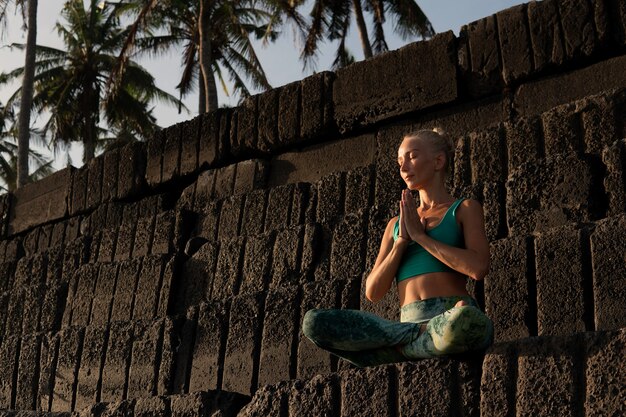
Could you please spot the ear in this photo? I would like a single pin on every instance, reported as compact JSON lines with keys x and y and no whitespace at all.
{"x":440,"y":161}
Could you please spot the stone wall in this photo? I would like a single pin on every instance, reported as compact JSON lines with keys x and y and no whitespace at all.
{"x":170,"y":277}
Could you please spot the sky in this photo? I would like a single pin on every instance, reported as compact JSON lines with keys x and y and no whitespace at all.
{"x":280,"y":59}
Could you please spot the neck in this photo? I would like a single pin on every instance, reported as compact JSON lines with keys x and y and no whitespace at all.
{"x":434,"y":196}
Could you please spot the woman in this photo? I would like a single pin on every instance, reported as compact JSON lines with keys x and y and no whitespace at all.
{"x":429,"y":250}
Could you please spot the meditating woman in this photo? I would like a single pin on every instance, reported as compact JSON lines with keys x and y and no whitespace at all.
{"x":430,"y":251}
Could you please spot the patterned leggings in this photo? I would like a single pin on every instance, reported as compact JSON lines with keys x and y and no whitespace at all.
{"x":365,"y":339}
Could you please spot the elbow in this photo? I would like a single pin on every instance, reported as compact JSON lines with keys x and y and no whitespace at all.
{"x":480,"y":272}
{"x":371,"y":294}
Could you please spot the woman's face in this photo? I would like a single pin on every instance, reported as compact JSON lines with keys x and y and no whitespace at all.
{"x":417,"y":163}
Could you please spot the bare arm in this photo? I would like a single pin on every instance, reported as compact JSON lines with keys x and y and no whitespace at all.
{"x":473,"y":260}
{"x":380,"y":279}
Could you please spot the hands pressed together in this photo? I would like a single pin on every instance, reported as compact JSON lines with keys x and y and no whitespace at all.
{"x":412,"y":227}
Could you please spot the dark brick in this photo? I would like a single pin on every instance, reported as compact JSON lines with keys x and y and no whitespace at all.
{"x":227,"y":273}
{"x":547,"y":376}
{"x":330,"y":198}
{"x":190,"y":146}
{"x":268,"y":121}
{"x":94,"y":182}
{"x":310,"y":248}
{"x":269,"y":400}
{"x":367,"y":391}
{"x":183,"y":352}
{"x":144,"y":234}
{"x":208,"y":221}
{"x":7,"y":275}
{"x":75,"y":255}
{"x":106,"y":251}
{"x":278,"y":207}
{"x":208,"y":353}
{"x":497,"y":388}
{"x":523,"y":139}
{"x":70,"y":344}
{"x":545,"y":34}
{"x":110,"y":175}
{"x":279,"y":328}
{"x":560,"y":277}
{"x":242,"y":347}
{"x":302,"y":204}
{"x":45,"y":233}
{"x":148,"y":287}
{"x":389,"y":183}
{"x":228,"y":124}
{"x":125,"y":290}
{"x":437,"y":375}
{"x":15,"y":312}
{"x":171,"y":152}
{"x":247,"y":130}
{"x":58,"y":234}
{"x":230,"y":218}
{"x":23,"y":273}
{"x":608,"y":252}
{"x":91,"y":363}
{"x":315,"y":397}
{"x":617,"y":14}
{"x":27,"y":374}
{"x":289,"y":113}
{"x":208,"y":404}
{"x":31,"y":313}
{"x":487,"y":155}
{"x":47,"y":364}
{"x":462,"y":176}
{"x":79,"y":191}
{"x":197,"y":278}
{"x":469,"y":372}
{"x":348,"y":243}
{"x":483,"y":76}
{"x":359,"y":187}
{"x":605,"y":376}
{"x":152,"y":407}
{"x":317,"y":105}
{"x":615,"y":178}
{"x":368,"y":92}
{"x":224,"y":181}
{"x":52,"y":307}
{"x":155,"y":149}
{"x":515,"y":46}
{"x":286,"y":256}
{"x":577,"y":21}
{"x":115,"y":370}
{"x":125,"y":242}
{"x":164,"y":232}
{"x":4,"y":306}
{"x":494,"y":210}
{"x":132,"y":170}
{"x":257,"y":263}
{"x":165,"y":293}
{"x":82,"y":287}
{"x":599,"y":122}
{"x":204,"y":190}
{"x":562,"y":133}
{"x":9,"y":351}
{"x":506,"y":289}
{"x":208,"y":140}
{"x":142,"y":373}
{"x":251,"y":175}
{"x":54,"y":268}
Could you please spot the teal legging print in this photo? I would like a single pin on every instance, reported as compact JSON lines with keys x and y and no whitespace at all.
{"x":365,"y":339}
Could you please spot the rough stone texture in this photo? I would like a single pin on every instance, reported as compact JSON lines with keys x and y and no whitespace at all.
{"x":164,"y":233}
{"x":494,"y":210}
{"x":560,"y":282}
{"x":204,"y":190}
{"x":125,"y":242}
{"x":269,"y":400}
{"x":253,"y":215}
{"x":47,"y":364}
{"x":599,"y":120}
{"x":40,"y":202}
{"x":144,"y":234}
{"x":368,"y":92}
{"x":246,"y":127}
{"x":562,"y":133}
{"x":27,"y":373}
{"x":80,"y":295}
{"x":91,"y":363}
{"x":251,"y":175}
{"x":151,"y":277}
{"x":224,"y":181}
{"x":278,"y":207}
{"x":315,"y":397}
{"x":79,"y":191}
{"x":366,"y":391}
{"x":268,"y":121}
{"x":497,"y":387}
{"x":132,"y":170}
{"x":115,"y":370}
{"x":154,"y":158}
{"x":183,"y":351}
{"x":210,"y":344}
{"x":506,"y":289}
{"x":348,"y":243}
{"x":515,"y":46}
{"x":436,"y":374}
{"x":152,"y":407}
{"x":196,"y":281}
{"x":604,"y":374}
{"x":103,"y":295}
{"x":487,"y":155}
{"x":70,"y":345}
{"x":578,"y":28}
{"x":257,"y":263}
{"x":523,"y":139}
{"x":110,"y":175}
{"x":9,"y":351}
{"x":545,"y":34}
{"x":230,"y":218}
{"x":289,"y":111}
{"x":145,"y":356}
{"x":207,"y":222}
{"x":286,"y":263}
{"x":615,"y":178}
{"x":317,"y":118}
{"x":228,"y":270}
{"x":330,"y":198}
{"x":190,"y":135}
{"x":482,"y":72}
{"x":547,"y":377}
{"x":389,"y":184}
{"x":608,"y":252}
{"x":108,"y":242}
{"x":171,"y":152}
{"x":242,"y":347}
{"x":126,"y":290}
{"x":279,"y":329}
{"x":209,"y":138}
{"x":359,"y":189}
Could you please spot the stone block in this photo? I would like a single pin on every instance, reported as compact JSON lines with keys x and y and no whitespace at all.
{"x":367,"y":391}
{"x":103,"y":294}
{"x":183,"y":352}
{"x":605,"y":376}
{"x":608,"y":253}
{"x":132,"y":170}
{"x":79,"y":191}
{"x":125,"y":242}
{"x":224,"y":181}
{"x":142,"y":373}
{"x":250,"y":175}
{"x":152,"y":407}
{"x":269,"y":400}
{"x":469,"y":372}
{"x":58,"y":233}
{"x":278,"y":207}
{"x":164,"y":233}
{"x":545,"y":34}
{"x":494,"y":208}
{"x":278,"y":338}
{"x":210,"y":343}
{"x":197,"y":278}
{"x":7,"y":275}
{"x":80,"y":296}
{"x":547,"y":376}
{"x":483,"y":75}
{"x":577,"y":21}
{"x":330,"y":198}
{"x":257,"y":263}
{"x":289,"y":111}
{"x":268,"y":121}
{"x":144,"y":234}
{"x":598,"y":117}
{"x":367,"y":92}
{"x":515,"y":48}
{"x":108,"y":243}
{"x":207,"y":223}
{"x":23,"y":273}
{"x":242,"y":347}
{"x":52,"y":306}
{"x":208,"y":140}
{"x":246,"y":127}
{"x":523,"y":139}
{"x":40,"y":202}
{"x":359,"y":189}
{"x":91,"y":363}
{"x":437,"y":375}
{"x":118,"y":355}
{"x":28,"y":372}
{"x":70,"y":343}
{"x":190,"y":145}
{"x":497,"y":387}
{"x":110,"y":173}
{"x":253,"y":215}
{"x":487,"y":155}
{"x":562,"y":130}
{"x":126,"y":290}
{"x":316,"y":102}
{"x":214,"y":403}
{"x":617,"y":15}
{"x":228,"y":270}
{"x":315,"y":397}
{"x":560,"y":276}
{"x":286,"y":256}
{"x":228,"y":124}
{"x":47,"y":364}
{"x":154,"y":149}
{"x":506,"y":289}
{"x":148,"y":288}
{"x":9,"y":352}
{"x":230,"y":218}
{"x":302,"y":205}
{"x":54,"y":270}
{"x":171,"y":152}
{"x":165,"y":292}
{"x":204,"y":190}
{"x":615,"y":177}
{"x":348,"y":244}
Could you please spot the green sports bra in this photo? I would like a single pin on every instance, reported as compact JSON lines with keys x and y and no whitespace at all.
{"x":416,"y":260}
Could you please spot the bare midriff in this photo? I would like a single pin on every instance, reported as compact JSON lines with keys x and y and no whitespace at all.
{"x":434,"y":284}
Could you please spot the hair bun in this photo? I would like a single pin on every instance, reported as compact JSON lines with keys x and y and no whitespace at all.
{"x":439,"y":131}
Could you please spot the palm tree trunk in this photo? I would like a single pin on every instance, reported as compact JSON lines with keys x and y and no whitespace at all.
{"x":360,"y":22}
{"x":27,"y":96}
{"x":206,"y":59}
{"x":201,"y":95}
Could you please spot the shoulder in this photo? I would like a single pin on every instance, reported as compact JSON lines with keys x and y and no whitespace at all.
{"x":469,"y":210}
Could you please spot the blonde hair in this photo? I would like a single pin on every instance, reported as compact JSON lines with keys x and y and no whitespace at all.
{"x":439,"y":142}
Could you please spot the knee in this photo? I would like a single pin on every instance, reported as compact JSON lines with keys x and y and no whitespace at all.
{"x":312,"y":324}
{"x":466,"y":328}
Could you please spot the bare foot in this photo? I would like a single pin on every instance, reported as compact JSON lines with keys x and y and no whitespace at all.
{"x":461,"y":304}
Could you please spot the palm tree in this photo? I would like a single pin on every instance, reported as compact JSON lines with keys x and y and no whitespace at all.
{"x":215,"y":36}
{"x":27,"y":86}
{"x":332,"y":19}
{"x":70,"y":84}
